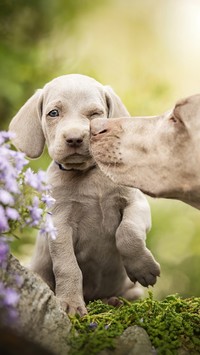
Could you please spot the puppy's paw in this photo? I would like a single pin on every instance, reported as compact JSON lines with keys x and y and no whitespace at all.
{"x":143,"y":269}
{"x":74,"y":306}
{"x":113,"y":301}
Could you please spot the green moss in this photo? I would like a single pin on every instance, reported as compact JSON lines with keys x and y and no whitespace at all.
{"x":171,"y":323}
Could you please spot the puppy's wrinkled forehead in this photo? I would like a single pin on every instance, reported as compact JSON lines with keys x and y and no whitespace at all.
{"x":74,"y":90}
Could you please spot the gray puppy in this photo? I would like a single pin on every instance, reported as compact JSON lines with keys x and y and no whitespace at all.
{"x":100,"y":249}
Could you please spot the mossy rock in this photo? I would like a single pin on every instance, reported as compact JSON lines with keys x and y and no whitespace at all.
{"x":170,"y":326}
{"x":133,"y":341}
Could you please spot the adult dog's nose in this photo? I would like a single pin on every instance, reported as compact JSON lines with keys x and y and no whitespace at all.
{"x":99,"y":126}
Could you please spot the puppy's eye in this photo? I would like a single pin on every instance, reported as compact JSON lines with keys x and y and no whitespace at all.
{"x":53,"y":113}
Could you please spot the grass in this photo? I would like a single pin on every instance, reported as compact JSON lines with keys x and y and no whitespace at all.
{"x":171,"y":324}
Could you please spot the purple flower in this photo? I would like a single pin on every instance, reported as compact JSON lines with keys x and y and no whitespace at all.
{"x":5,"y":159}
{"x":5,"y":136}
{"x":8,"y":302}
{"x":4,"y":251}
{"x":3,"y":220}
{"x":6,"y":198}
{"x":13,"y":187}
{"x":48,"y":200}
{"x":35,"y":212}
{"x":30,"y":178}
{"x":42,"y":177}
{"x":48,"y":227}
{"x":93,"y":325}
{"x":11,"y":184}
{"x":19,"y":159}
{"x":12,"y":213}
{"x":36,"y":215}
{"x":11,"y":297}
{"x":19,"y":280}
{"x":8,"y":174}
{"x":37,"y":181}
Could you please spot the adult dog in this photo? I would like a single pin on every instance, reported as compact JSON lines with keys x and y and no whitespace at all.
{"x":100,"y":249}
{"x":158,"y":155}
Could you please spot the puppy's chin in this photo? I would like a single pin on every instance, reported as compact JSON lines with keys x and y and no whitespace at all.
{"x":79,"y":166}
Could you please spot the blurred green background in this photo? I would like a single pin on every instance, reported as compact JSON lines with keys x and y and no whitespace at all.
{"x":149,"y":52}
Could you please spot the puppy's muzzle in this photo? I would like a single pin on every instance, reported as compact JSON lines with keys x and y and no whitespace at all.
{"x":74,"y":138}
{"x":74,"y":141}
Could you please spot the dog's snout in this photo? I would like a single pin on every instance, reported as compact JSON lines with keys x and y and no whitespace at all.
{"x":99,"y":126}
{"x":74,"y":141}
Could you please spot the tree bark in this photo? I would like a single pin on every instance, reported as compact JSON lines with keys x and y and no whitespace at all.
{"x":41,"y":318}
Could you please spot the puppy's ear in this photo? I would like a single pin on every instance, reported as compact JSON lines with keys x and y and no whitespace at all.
{"x":26,"y":126}
{"x":115,"y":106}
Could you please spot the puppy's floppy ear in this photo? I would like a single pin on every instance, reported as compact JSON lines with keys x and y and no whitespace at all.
{"x":115,"y":106}
{"x":26,"y":125}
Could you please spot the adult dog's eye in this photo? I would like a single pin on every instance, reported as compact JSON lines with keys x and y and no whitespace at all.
{"x":176,"y":120}
{"x":95,"y":113}
{"x":53,"y":113}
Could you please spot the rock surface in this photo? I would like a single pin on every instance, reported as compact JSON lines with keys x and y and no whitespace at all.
{"x":41,"y":318}
{"x":134,"y":341}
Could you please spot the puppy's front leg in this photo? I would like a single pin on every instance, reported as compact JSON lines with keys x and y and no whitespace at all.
{"x":139,"y":263}
{"x":68,"y":276}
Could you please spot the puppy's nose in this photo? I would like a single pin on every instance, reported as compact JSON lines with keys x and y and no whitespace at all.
{"x":74,"y":141}
{"x":99,"y":126}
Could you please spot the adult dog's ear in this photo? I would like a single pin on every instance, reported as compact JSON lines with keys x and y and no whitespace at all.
{"x":26,"y":125}
{"x":188,"y":111}
{"x":116,"y":107}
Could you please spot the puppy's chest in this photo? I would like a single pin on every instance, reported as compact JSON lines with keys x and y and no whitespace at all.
{"x":95,"y":208}
{"x":94,"y":219}
{"x":93,"y":205}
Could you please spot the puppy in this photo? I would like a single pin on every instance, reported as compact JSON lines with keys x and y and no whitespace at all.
{"x":158,"y":155}
{"x":100,"y":249}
